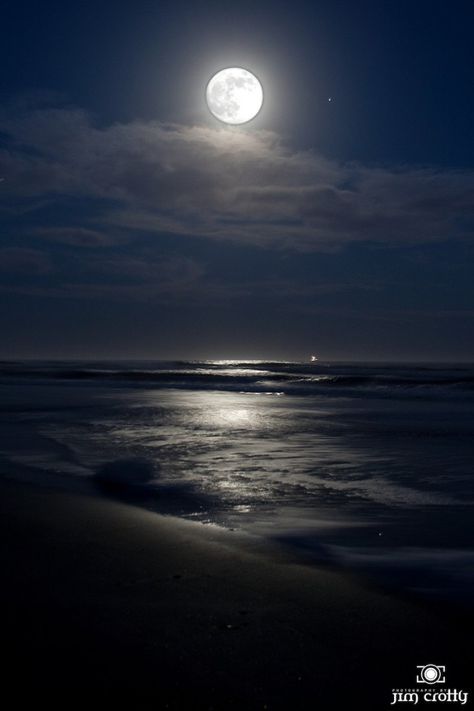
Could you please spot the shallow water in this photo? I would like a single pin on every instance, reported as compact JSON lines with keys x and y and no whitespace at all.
{"x":367,"y":466}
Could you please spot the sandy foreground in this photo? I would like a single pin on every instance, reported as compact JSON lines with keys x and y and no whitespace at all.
{"x":106,"y":603}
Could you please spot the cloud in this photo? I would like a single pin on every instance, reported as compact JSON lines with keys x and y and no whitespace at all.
{"x":117,"y":278}
{"x":23,"y":262}
{"x":75,"y":236}
{"x":223,"y":184}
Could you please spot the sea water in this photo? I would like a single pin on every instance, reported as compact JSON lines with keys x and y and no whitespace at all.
{"x":364,"y":466}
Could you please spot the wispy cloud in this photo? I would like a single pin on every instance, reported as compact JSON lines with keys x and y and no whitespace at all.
{"x":75,"y":236}
{"x":222,"y":184}
{"x":24,"y":262}
{"x":114,"y":279}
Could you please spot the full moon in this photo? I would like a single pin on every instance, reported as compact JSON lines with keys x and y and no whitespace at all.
{"x":234,"y":95}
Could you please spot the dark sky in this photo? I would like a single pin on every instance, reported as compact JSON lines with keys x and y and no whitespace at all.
{"x":135,"y":225}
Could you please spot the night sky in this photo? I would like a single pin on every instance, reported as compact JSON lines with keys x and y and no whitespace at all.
{"x":133,"y":224}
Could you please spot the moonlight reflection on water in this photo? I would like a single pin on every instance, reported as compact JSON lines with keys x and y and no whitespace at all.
{"x":328,"y":458}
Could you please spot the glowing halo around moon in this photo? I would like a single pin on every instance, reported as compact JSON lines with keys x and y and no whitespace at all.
{"x":234,"y":95}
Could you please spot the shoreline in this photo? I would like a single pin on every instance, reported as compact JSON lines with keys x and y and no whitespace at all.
{"x":105,"y":600}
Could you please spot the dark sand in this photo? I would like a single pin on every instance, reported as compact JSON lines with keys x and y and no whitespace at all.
{"x":108,"y":605}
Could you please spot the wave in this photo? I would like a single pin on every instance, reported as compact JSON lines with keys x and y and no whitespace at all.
{"x":297,"y":378}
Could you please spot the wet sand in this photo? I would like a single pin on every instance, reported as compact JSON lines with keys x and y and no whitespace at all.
{"x":105,"y":603}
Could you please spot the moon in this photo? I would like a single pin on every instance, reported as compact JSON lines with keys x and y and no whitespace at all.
{"x":234,"y":95}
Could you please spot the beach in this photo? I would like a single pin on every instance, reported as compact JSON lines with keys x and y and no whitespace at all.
{"x":366,"y":467}
{"x":104,"y":602}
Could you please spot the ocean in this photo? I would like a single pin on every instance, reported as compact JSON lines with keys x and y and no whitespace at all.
{"x":362,"y":466}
